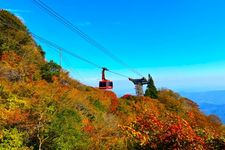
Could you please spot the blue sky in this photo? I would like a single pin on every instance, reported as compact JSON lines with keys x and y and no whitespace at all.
{"x":180,"y":42}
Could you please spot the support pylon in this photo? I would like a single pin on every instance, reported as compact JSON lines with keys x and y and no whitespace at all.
{"x":139,"y":90}
{"x":139,"y":85}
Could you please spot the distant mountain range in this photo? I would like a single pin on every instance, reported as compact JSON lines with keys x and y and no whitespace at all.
{"x":210,"y":97}
{"x":210,"y":102}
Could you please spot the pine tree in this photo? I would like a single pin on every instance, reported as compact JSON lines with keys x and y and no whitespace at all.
{"x":151,"y":90}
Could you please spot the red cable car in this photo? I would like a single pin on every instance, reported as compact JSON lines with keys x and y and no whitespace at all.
{"x":105,"y":84}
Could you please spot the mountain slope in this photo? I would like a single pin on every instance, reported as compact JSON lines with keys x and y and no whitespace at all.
{"x":214,"y":109}
{"x":210,"y":102}
{"x":41,"y":107}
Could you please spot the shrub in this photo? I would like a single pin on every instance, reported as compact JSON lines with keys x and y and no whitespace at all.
{"x":49,"y":70}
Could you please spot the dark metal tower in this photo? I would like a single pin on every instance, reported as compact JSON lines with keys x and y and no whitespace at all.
{"x":139,"y":85}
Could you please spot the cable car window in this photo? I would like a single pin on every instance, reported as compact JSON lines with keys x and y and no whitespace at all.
{"x":102,"y":84}
{"x":109,"y":84}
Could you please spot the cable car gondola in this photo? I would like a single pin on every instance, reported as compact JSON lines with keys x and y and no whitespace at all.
{"x":105,"y":84}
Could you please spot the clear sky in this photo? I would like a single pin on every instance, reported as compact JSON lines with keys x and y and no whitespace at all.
{"x":181,"y":43}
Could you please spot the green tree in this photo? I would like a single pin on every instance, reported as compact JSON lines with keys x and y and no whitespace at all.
{"x":151,"y":90}
{"x":49,"y":70}
{"x":12,"y":139}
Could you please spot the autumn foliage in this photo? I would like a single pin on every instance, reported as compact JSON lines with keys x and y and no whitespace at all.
{"x":41,"y":107}
{"x":171,"y":129}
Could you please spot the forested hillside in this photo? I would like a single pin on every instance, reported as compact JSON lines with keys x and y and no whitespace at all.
{"x":41,"y":107}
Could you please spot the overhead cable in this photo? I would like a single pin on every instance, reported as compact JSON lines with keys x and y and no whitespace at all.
{"x":82,"y":34}
{"x":56,"y":46}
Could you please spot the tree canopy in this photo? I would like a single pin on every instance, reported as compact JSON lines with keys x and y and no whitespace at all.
{"x":151,"y":90}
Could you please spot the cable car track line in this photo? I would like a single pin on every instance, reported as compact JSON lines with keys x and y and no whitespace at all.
{"x":64,"y":50}
{"x":74,"y":55}
{"x":57,"y":47}
{"x":83,"y":35}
